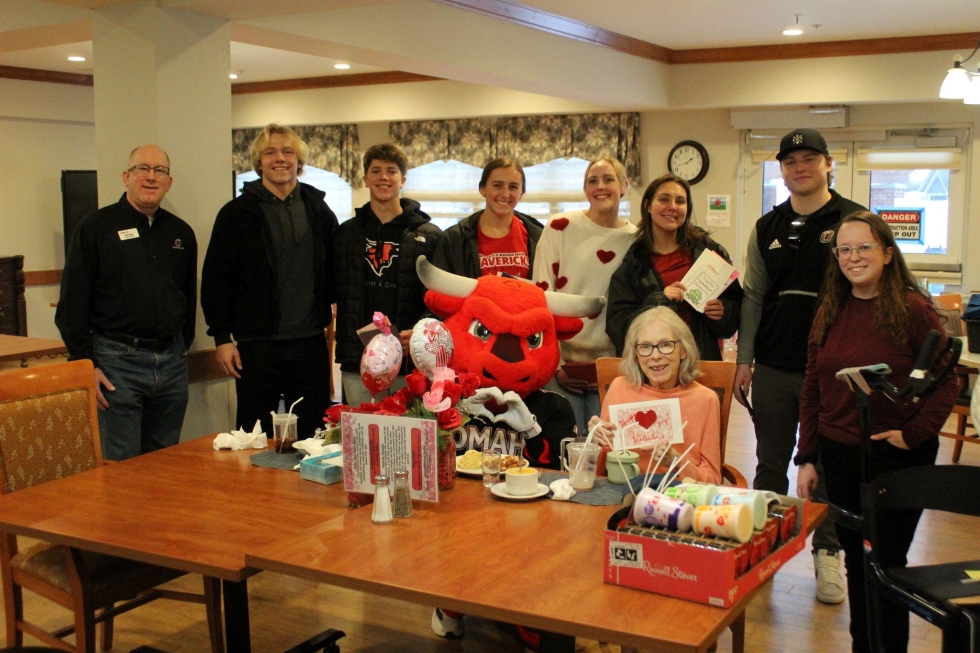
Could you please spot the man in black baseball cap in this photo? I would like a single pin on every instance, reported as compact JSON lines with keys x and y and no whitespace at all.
{"x":789,"y":251}
{"x":802,"y":139}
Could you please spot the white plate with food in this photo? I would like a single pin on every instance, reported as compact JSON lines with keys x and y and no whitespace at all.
{"x":500,"y":491}
{"x":471,"y":464}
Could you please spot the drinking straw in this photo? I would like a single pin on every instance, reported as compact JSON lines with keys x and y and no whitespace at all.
{"x":628,"y":484}
{"x":588,"y":441}
{"x":646,"y":477}
{"x":671,"y":468}
{"x":667,"y":480}
{"x":294,"y":405}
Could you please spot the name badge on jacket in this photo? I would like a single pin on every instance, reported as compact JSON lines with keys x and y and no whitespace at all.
{"x":127,"y":234}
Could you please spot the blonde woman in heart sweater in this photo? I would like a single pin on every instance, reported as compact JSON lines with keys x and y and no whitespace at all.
{"x":577,"y":254}
{"x":660,"y":361}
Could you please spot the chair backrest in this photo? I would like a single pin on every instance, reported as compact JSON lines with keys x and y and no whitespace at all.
{"x":717,"y":375}
{"x":49,"y":425}
{"x":950,"y":311}
{"x":949,"y":488}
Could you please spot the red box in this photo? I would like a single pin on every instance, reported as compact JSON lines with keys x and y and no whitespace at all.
{"x":703,"y":575}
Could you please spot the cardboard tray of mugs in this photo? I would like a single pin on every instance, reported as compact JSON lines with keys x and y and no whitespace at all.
{"x":699,"y":568}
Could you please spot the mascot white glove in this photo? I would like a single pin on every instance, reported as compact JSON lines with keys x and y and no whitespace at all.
{"x":517,"y":416}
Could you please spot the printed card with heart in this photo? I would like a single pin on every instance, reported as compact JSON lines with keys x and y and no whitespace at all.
{"x":646,"y":424}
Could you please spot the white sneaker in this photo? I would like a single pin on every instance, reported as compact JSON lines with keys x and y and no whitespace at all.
{"x":444,"y":626}
{"x":830,"y":586}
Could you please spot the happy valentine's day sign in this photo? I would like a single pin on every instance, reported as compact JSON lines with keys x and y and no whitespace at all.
{"x":646,"y":424}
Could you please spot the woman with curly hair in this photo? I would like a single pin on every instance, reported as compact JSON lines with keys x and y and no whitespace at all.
{"x":872,"y":311}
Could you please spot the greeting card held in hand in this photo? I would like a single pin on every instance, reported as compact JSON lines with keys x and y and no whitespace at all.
{"x":646,"y":424}
{"x":707,"y":279}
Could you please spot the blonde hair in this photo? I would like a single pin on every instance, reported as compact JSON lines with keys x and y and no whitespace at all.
{"x":262,"y":141}
{"x":690,"y":365}
{"x":618,"y":168}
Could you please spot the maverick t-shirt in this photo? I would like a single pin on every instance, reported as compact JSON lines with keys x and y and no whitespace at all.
{"x":507,"y":254}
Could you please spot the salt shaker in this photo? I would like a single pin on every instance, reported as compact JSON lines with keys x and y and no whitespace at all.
{"x":403,"y":495}
{"x":381,"y":513}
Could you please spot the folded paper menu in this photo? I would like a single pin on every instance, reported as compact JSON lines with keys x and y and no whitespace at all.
{"x":707,"y":279}
{"x":646,"y":423}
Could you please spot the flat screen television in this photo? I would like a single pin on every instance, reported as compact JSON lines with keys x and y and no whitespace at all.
{"x":79,"y":197}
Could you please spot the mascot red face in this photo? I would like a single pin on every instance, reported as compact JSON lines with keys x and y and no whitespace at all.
{"x":504,"y":330}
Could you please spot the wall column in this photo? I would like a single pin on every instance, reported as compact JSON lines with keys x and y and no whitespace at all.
{"x":161,"y":76}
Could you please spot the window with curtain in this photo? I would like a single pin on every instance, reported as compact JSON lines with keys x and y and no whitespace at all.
{"x":448,"y":157}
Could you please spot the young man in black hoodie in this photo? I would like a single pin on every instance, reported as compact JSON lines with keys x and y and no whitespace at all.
{"x":267,"y":283}
{"x":789,"y":251}
{"x":374,"y":265}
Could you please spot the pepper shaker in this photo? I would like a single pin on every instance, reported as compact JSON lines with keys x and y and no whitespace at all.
{"x":403,"y":495}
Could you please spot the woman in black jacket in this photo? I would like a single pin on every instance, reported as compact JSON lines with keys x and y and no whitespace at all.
{"x":666,"y":247}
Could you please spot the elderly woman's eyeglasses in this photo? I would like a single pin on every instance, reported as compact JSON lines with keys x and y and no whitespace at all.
{"x":665,"y":347}
{"x":144,"y":170}
{"x":864,"y":250}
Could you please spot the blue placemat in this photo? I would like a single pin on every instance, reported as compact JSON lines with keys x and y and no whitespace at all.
{"x":603,"y":492}
{"x":270,"y":458}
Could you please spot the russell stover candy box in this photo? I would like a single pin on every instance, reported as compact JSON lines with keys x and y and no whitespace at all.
{"x":701,"y":568}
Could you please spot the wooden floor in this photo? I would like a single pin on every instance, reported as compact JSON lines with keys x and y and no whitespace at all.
{"x":785,"y":617}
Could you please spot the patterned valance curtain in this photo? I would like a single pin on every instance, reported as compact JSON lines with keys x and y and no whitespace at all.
{"x":529,"y":139}
{"x":335,"y":148}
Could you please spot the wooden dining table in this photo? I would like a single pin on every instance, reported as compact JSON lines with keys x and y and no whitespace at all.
{"x":186,"y":507}
{"x":535,"y":563}
{"x":23,"y":348}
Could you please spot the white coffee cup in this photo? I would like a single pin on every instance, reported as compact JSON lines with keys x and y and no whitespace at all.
{"x":521,"y":482}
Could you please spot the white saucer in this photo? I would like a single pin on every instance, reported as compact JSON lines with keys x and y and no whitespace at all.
{"x":500,"y":491}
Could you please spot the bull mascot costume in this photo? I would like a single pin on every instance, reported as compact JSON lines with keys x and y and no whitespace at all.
{"x":506,"y":331}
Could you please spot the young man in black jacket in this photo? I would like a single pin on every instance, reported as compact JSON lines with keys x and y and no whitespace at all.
{"x":789,"y":251}
{"x":374,"y":265}
{"x":267,"y":287}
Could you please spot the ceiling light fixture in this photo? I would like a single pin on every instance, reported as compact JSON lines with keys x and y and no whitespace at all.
{"x":342,"y":66}
{"x":794,"y":29}
{"x":232,"y":75}
{"x":76,"y":58}
{"x":960,"y":83}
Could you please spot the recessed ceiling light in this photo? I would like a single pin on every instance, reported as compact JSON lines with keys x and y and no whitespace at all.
{"x":794,"y":29}
{"x":232,"y":75}
{"x":76,"y":58}
{"x":341,"y":66}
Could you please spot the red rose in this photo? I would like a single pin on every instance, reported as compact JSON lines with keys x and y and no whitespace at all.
{"x":333,"y":413}
{"x":469,"y":382}
{"x":452,"y":390}
{"x":366,"y":407}
{"x":392,"y":405}
{"x":449,"y":419}
{"x":404,"y":397}
{"x":417,"y":383}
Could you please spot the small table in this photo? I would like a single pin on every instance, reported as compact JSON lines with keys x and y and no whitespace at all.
{"x":22,"y":347}
{"x":966,"y":357}
{"x":537,"y":564}
{"x":186,"y":507}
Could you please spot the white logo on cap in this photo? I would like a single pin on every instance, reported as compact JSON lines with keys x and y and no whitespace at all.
{"x":797,"y":139}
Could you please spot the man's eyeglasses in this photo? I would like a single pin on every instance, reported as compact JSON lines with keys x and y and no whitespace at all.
{"x":665,"y":347}
{"x":864,"y":250}
{"x":795,"y":231}
{"x":144,"y":170}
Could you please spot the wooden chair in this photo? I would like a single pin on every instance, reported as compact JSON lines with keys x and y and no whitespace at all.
{"x":717,"y":375}
{"x":961,"y":409}
{"x":49,"y":429}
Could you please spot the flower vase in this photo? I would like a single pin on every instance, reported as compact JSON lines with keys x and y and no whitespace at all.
{"x":446,"y":463}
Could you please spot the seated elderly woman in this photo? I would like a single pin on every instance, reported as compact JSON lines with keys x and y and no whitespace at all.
{"x":660,"y":361}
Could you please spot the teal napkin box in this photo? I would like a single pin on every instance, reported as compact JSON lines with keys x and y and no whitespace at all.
{"x":313,"y":469}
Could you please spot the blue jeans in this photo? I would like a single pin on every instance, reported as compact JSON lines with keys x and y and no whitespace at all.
{"x":146,"y":410}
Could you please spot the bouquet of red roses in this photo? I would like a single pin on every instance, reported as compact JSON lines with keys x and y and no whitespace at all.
{"x":438,"y":399}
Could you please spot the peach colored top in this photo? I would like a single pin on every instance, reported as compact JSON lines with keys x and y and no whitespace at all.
{"x":699,"y":408}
